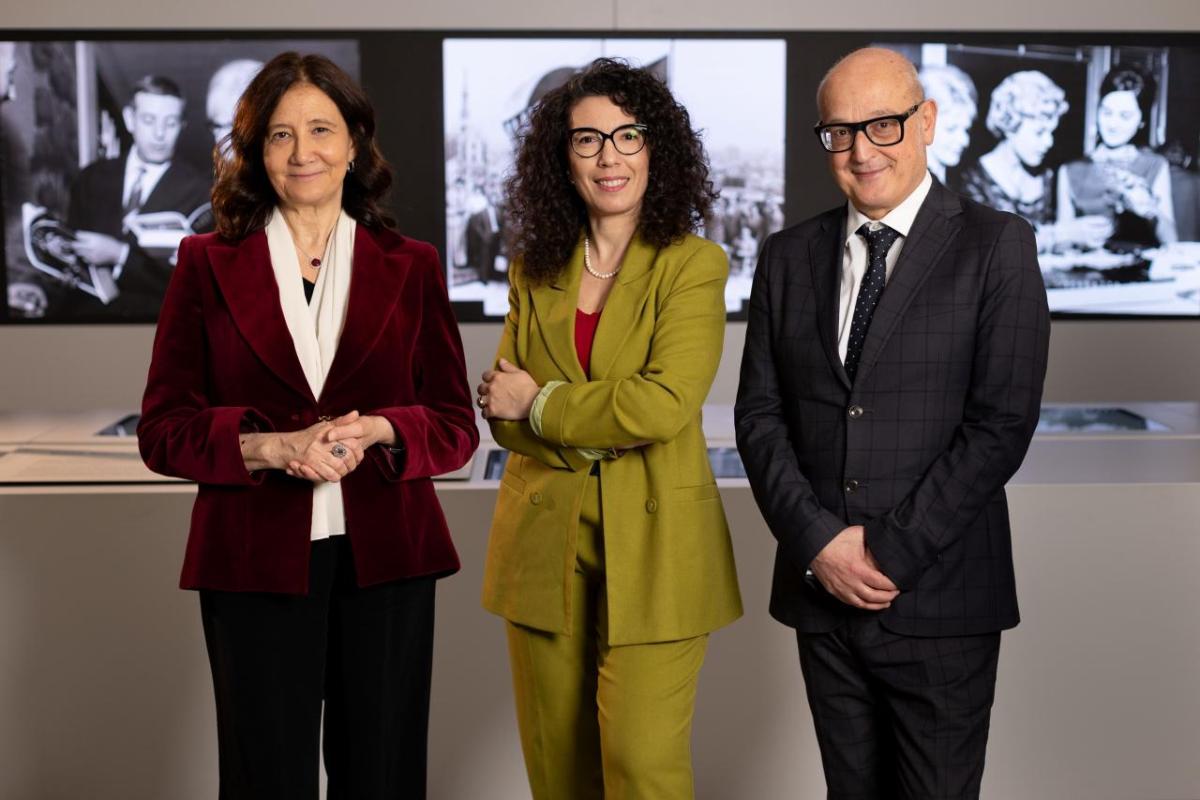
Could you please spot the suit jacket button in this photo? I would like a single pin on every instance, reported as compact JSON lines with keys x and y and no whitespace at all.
{"x":536,"y":498}
{"x":851,"y":486}
{"x":854,"y":412}
{"x":651,"y":506}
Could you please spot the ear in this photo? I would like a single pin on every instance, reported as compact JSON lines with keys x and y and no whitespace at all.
{"x":928,"y":114}
{"x":128,"y":115}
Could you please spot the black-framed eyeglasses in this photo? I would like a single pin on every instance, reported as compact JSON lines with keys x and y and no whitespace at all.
{"x":627,"y":139}
{"x":880,"y":131}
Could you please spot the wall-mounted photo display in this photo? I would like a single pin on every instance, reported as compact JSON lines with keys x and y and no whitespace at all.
{"x":107,"y":165}
{"x":106,"y":149}
{"x":1094,"y":145}
{"x":734,"y":91}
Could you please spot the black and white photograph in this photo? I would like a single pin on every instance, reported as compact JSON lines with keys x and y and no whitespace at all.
{"x":1096,"y":146}
{"x":107,"y":153}
{"x":734,"y":91}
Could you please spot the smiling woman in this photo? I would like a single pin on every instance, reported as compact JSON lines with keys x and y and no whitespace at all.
{"x":308,"y":374}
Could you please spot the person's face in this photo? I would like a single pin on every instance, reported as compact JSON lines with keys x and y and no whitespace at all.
{"x":155,"y":121}
{"x":952,"y":134}
{"x":8,"y":68}
{"x":1033,"y":138}
{"x":308,"y":148}
{"x":610,"y":184}
{"x":1118,"y":118}
{"x":876,"y":179}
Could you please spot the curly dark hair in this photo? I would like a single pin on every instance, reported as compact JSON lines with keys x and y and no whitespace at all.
{"x":243,"y":197}
{"x":545,"y":211}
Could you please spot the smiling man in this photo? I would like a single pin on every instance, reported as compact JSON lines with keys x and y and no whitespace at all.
{"x":147,"y":179}
{"x":890,"y":385}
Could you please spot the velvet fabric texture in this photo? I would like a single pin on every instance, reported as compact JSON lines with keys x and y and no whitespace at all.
{"x":224,"y":363}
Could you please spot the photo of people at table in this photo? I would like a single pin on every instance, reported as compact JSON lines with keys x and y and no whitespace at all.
{"x":1096,"y":146}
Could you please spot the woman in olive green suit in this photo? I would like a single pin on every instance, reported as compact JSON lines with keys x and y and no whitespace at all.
{"x":609,"y":556}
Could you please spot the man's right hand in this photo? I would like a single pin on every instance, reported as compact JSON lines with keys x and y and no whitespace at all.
{"x":848,"y":571}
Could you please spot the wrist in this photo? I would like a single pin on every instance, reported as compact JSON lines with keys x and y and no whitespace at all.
{"x":383,"y":432}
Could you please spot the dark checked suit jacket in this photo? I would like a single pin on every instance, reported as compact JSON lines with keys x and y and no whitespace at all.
{"x":919,"y":447}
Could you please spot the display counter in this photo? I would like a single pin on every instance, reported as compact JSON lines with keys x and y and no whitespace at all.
{"x":105,"y":683}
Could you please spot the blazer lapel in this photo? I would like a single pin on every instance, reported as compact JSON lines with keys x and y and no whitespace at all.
{"x":825,"y":258}
{"x":554,"y":305}
{"x":244,"y":275}
{"x":623,"y":304}
{"x":933,"y":229}
{"x":376,"y":279}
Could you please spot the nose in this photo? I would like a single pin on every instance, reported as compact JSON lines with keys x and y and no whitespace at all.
{"x":608,"y":152}
{"x":301,"y":147}
{"x":861,"y":148}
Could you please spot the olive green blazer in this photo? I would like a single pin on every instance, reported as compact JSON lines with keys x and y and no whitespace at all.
{"x":668,"y":556}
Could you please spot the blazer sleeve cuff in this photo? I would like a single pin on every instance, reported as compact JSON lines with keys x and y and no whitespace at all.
{"x":803,"y":547}
{"x":228,"y":425}
{"x":893,"y":559}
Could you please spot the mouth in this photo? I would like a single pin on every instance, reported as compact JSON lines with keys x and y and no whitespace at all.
{"x":304,"y":176}
{"x":868,"y":174}
{"x":611,"y":184}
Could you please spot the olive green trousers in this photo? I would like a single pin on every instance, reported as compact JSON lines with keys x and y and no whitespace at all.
{"x":600,"y":722}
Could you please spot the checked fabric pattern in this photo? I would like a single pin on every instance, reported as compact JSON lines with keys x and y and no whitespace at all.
{"x":879,"y":242}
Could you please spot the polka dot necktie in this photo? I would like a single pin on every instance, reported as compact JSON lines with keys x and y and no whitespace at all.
{"x":879,"y":241}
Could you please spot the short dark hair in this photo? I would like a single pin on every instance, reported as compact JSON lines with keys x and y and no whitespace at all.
{"x":1131,"y":78}
{"x":156,"y":84}
{"x":243,"y":197}
{"x":547,"y":213}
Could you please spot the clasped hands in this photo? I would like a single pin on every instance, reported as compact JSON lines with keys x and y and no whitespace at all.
{"x":507,"y":392}
{"x":324,"y":452}
{"x":848,"y":571}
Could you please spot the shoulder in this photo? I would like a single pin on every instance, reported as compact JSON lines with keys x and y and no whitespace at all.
{"x":106,"y":169}
{"x":394,"y":243}
{"x":693,"y":255}
{"x":803,"y":232}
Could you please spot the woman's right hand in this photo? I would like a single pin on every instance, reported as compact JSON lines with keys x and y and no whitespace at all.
{"x":1088,"y":232}
{"x":309,"y":453}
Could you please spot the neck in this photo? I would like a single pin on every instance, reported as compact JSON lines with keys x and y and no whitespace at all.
{"x":1008,"y":158}
{"x":610,"y":238}
{"x":311,"y":225}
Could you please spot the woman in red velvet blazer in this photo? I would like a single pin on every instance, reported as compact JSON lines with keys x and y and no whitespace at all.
{"x":308,"y":375}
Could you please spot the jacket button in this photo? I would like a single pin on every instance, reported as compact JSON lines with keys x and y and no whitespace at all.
{"x":851,"y":486}
{"x":536,"y":498}
{"x":854,"y":412}
{"x":651,"y":506}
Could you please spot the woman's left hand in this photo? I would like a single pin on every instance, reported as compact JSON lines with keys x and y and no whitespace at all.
{"x":357,"y":433}
{"x":507,"y":392}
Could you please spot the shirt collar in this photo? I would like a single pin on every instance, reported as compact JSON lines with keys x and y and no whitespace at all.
{"x":133,"y":163}
{"x":899,"y":219}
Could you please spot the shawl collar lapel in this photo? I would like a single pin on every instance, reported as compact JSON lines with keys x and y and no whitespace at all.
{"x":623,"y":305}
{"x":243,"y":273}
{"x":376,"y":279}
{"x":825,"y":257}
{"x":554,"y":305}
{"x":934,"y":228}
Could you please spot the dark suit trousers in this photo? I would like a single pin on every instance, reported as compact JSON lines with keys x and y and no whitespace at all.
{"x":365,"y":653}
{"x":899,"y":717}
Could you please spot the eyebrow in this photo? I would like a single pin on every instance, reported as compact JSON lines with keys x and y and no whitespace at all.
{"x":316,"y":120}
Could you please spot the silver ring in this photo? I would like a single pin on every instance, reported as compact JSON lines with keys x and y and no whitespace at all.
{"x":339,"y":450}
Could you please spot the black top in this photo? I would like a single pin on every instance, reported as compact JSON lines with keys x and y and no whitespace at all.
{"x":309,"y":286}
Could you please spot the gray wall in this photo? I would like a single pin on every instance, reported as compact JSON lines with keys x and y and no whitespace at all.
{"x":72,"y":368}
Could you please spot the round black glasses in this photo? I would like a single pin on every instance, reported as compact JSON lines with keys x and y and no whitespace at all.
{"x":627,"y":139}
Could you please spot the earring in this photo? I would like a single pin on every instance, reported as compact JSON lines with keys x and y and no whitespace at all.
{"x":350,"y":165}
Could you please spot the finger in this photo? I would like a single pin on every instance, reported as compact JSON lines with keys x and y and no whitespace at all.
{"x":489,"y":375}
{"x":327,"y":471}
{"x":877,"y":580}
{"x":346,"y":419}
{"x":339,"y":433}
{"x":483,"y":389}
{"x":871,"y":596}
{"x":310,"y":474}
{"x":507,"y":366}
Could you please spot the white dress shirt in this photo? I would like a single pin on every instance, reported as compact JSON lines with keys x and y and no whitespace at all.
{"x":854,"y":254}
{"x":134,"y":165}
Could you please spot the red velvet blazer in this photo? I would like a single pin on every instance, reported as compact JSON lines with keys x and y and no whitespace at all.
{"x":224,"y":362}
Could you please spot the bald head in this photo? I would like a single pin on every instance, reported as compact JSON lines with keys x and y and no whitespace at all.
{"x":868,"y":65}
{"x":880,"y":87}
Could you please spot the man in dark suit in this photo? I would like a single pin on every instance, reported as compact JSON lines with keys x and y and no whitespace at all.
{"x":146,"y":180}
{"x":483,"y":241}
{"x":890,"y":386}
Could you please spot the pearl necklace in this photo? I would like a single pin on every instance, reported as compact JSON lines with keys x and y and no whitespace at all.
{"x":587,"y":262}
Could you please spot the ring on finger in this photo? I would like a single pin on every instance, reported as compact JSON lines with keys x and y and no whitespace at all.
{"x":338,"y":450}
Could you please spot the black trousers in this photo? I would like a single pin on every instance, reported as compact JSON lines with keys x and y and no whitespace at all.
{"x":366,"y":654}
{"x":899,"y":717}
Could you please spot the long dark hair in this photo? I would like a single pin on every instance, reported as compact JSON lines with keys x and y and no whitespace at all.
{"x":547,"y":213}
{"x":243,"y":197}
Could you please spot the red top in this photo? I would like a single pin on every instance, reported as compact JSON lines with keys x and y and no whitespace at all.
{"x":585,"y":332}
